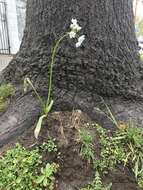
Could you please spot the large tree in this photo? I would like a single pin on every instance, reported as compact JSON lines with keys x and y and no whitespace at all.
{"x":107,"y":65}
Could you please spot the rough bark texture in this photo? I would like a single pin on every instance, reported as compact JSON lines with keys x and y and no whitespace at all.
{"x":106,"y":65}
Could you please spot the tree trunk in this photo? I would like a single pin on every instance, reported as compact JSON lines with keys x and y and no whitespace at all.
{"x":107,"y":65}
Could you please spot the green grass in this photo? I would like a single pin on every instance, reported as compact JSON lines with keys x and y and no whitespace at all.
{"x":87,"y":148}
{"x":122,"y":147}
{"x":6,"y":91}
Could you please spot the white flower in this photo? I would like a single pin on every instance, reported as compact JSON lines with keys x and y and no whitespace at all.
{"x":80,"y":41}
{"x":74,"y":21}
{"x":72,"y":34}
{"x":75,"y":26}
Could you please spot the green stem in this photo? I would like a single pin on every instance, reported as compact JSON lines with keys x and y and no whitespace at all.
{"x":51,"y":67}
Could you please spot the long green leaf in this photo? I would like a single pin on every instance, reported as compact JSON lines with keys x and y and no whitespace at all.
{"x":38,"y":126}
{"x":136,"y":168}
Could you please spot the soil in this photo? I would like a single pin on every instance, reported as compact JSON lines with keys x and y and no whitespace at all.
{"x":75,"y":172}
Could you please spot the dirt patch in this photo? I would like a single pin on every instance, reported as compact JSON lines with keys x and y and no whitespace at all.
{"x":74,"y":170}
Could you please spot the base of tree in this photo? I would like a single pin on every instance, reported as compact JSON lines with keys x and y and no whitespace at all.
{"x":24,"y":110}
{"x":21,"y":114}
{"x":75,"y":172}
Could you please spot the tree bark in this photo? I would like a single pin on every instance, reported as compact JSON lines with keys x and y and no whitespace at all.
{"x":107,"y":65}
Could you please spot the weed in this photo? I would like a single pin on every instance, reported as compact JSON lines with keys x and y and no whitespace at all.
{"x":134,"y":148}
{"x":50,"y":145}
{"x":6,"y":91}
{"x":108,"y":113}
{"x":112,"y":152}
{"x":87,"y":149}
{"x":19,"y":169}
{"x":124,"y":146}
{"x":47,"y":179}
{"x":97,"y":184}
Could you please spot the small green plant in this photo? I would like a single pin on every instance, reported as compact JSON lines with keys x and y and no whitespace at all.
{"x":47,"y":179}
{"x":97,"y":184}
{"x":108,"y":113}
{"x":20,"y":168}
{"x":87,"y":148}
{"x":124,"y":146}
{"x":6,"y":91}
{"x":50,"y":145}
{"x":47,"y":106}
{"x":133,"y":138}
{"x":112,"y":151}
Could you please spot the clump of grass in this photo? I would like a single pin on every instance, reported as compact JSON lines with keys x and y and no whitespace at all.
{"x":87,"y":149}
{"x":112,"y":150}
{"x":123,"y":146}
{"x":6,"y":91}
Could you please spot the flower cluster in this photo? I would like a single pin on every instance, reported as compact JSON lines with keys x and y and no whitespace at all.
{"x":75,"y":28}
